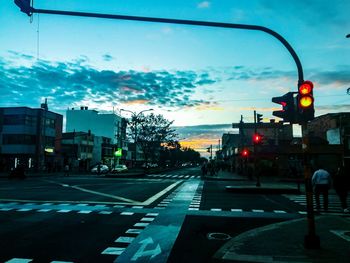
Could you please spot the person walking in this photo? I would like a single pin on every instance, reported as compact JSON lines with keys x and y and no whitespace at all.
{"x":66,"y":170}
{"x":341,"y":184}
{"x":321,"y":181}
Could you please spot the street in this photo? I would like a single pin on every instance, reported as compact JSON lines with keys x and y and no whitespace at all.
{"x":168,"y":217}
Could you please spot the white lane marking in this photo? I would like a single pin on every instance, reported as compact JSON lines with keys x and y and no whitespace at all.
{"x":124,"y":239}
{"x":257,"y":211}
{"x":47,"y":204}
{"x":65,"y":204}
{"x":100,"y":205}
{"x":113,"y":251}
{"x":141,"y":224}
{"x":119,"y":206}
{"x":19,"y":260}
{"x":147,"y":219}
{"x":126,"y":213}
{"x":5,"y":209}
{"x":215,"y":209}
{"x":162,"y":205}
{"x":64,"y":211}
{"x":133,"y":231}
{"x":280,"y":211}
{"x":82,"y":204}
{"x":152,"y":214}
{"x":159,"y":207}
{"x":24,"y":210}
{"x":302,"y":212}
{"x":137,"y":207}
{"x":29,"y":204}
{"x":236,"y":210}
{"x":192,"y":208}
{"x":105,"y":212}
{"x":161,"y":193}
{"x":341,"y":233}
{"x":84,"y":212}
{"x":44,"y":210}
{"x":103,"y":194}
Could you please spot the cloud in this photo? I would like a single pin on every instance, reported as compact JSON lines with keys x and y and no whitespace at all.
{"x":72,"y":82}
{"x":200,"y":137}
{"x":204,"y":4}
{"x":107,"y":57}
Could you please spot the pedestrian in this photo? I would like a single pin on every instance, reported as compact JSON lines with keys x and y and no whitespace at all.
{"x":66,"y":170}
{"x":341,"y":184}
{"x":321,"y":181}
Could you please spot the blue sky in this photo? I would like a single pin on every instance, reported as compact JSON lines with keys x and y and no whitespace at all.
{"x":192,"y":75}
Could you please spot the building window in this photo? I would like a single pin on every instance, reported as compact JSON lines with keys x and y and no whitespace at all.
{"x":18,"y":139}
{"x":20,"y":119}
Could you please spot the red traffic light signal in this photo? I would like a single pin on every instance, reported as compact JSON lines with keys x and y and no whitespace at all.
{"x":245,"y":153}
{"x":305,"y":102}
{"x":257,"y":138}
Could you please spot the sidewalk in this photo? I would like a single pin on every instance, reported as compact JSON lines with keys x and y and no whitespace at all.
{"x":284,"y":242}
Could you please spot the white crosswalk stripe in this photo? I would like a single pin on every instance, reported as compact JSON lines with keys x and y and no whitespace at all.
{"x":174,"y":176}
{"x":334,"y":205}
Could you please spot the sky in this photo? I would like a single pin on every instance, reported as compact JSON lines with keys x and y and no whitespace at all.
{"x":202,"y":78}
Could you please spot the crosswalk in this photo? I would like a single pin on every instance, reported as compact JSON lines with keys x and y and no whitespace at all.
{"x":334,"y":205}
{"x":174,"y":176}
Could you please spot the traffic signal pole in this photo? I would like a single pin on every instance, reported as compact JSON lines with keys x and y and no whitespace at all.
{"x":26,"y":7}
{"x":311,"y":240}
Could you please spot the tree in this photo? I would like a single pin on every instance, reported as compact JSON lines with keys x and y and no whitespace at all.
{"x":152,"y":133}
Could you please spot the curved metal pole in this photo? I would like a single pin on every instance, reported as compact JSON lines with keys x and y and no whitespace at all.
{"x":185,"y":22}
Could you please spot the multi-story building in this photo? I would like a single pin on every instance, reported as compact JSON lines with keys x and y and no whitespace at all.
{"x":107,"y":125}
{"x":77,"y":150}
{"x":103,"y":151}
{"x":30,"y":138}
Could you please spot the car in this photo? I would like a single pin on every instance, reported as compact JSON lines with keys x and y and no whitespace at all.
{"x":100,"y":168}
{"x":120,"y":168}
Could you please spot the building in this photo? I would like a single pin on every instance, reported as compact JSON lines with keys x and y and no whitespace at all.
{"x":30,"y":138}
{"x":103,"y":151}
{"x":108,"y":125}
{"x":77,"y":150}
{"x":334,"y":129}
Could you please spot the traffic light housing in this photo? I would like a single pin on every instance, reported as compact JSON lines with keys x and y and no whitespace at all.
{"x":259,"y":118}
{"x":305,"y":102}
{"x":288,"y":107}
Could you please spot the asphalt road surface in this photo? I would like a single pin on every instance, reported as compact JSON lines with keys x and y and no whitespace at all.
{"x":167,"y":217}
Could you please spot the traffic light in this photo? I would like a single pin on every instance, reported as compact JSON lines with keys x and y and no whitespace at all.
{"x":305,"y":100}
{"x":245,"y":153}
{"x":208,"y":149}
{"x":259,"y":118}
{"x":257,"y":138}
{"x":288,"y":107}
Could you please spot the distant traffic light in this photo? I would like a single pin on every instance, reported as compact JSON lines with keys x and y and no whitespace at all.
{"x":245,"y":153}
{"x":208,"y":149}
{"x":257,"y":138}
{"x":288,"y":107}
{"x":259,"y":118}
{"x":305,"y":100}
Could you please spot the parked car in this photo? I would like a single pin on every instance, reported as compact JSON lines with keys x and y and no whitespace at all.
{"x":100,"y":168}
{"x":120,"y":168}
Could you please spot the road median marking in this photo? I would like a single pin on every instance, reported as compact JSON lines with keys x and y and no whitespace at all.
{"x":161,"y":193}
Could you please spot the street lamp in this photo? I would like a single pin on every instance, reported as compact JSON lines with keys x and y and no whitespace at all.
{"x":135,"y":116}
